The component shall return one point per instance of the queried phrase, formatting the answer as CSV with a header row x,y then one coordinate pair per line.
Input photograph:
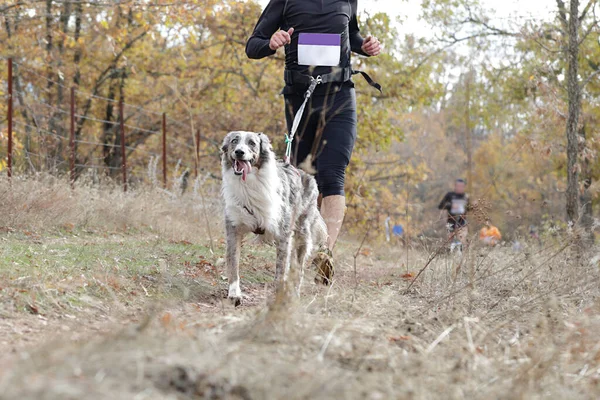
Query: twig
x,y
431,258
437,341
321,354
356,254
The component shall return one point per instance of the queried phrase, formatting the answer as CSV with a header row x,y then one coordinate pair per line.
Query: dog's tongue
x,y
245,167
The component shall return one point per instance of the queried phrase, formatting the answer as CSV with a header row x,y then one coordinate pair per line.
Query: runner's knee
x,y
331,180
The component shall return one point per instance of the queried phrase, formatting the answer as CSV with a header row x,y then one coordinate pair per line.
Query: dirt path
x,y
136,317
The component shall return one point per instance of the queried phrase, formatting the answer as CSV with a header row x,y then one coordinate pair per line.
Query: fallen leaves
x,y
32,308
407,276
400,338
202,268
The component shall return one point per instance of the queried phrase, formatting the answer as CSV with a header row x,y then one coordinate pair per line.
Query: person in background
x,y
454,206
490,234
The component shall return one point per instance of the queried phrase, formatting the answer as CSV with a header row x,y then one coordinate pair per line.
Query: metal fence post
x,y
164,149
10,118
197,155
72,141
123,154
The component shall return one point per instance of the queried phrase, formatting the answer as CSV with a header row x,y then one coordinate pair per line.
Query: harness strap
x,y
369,80
259,230
339,75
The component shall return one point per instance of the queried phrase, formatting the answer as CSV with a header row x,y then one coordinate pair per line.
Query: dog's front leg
x,y
234,244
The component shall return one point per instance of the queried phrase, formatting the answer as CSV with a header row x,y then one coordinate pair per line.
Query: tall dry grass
x,y
46,203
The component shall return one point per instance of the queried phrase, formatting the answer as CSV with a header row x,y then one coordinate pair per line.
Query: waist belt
x,y
339,75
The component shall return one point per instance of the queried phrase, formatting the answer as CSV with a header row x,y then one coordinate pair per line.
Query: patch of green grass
x,y
56,270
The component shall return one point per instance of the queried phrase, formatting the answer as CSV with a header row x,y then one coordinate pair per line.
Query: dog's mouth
x,y
242,167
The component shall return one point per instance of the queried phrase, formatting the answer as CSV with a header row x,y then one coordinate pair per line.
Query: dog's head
x,y
243,150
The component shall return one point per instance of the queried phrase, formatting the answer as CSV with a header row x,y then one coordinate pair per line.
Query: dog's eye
x,y
235,140
252,143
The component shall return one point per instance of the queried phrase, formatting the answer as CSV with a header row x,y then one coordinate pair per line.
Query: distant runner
x,y
455,204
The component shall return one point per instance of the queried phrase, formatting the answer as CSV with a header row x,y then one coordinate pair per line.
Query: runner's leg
x,y
338,127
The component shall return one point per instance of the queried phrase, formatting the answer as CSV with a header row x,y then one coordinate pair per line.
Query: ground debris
x,y
193,385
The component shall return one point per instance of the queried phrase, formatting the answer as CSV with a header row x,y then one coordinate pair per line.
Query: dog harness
x,y
259,230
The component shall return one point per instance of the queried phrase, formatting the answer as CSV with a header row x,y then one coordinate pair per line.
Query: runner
x,y
455,206
318,36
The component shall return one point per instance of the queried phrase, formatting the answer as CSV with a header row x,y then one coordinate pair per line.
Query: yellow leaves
x,y
104,24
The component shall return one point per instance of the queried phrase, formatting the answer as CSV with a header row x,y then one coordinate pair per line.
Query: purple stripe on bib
x,y
319,39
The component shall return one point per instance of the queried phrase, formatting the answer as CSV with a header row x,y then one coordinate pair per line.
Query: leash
x,y
289,138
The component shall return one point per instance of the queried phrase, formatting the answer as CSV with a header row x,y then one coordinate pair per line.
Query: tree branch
x,y
586,9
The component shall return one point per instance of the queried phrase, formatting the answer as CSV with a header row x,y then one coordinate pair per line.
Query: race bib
x,y
319,49
458,207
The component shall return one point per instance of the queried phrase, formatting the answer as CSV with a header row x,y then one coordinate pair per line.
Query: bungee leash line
x,y
289,138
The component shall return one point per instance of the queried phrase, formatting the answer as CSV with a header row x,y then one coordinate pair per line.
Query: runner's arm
x,y
269,22
444,203
356,40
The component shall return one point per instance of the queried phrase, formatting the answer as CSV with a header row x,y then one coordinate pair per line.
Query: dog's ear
x,y
265,143
265,146
265,149
225,144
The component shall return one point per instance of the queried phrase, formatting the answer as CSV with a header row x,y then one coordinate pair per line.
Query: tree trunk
x,y
76,61
469,133
574,100
57,121
587,212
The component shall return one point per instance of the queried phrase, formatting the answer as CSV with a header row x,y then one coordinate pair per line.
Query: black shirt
x,y
457,205
307,16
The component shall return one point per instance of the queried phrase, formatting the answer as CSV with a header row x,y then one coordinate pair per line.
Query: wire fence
x,y
59,129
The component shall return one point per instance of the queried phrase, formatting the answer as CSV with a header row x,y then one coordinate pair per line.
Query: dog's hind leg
x,y
234,244
282,265
301,258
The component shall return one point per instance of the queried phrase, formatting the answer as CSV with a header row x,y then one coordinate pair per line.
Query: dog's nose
x,y
239,153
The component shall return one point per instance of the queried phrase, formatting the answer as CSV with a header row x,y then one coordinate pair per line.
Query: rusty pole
x,y
10,118
164,149
72,140
197,158
123,154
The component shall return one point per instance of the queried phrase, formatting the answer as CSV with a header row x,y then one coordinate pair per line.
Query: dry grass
x,y
47,203
509,325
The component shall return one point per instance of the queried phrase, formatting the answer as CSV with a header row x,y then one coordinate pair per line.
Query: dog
x,y
270,198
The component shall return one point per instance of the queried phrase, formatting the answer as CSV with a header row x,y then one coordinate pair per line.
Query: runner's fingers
x,y
284,37
374,48
279,41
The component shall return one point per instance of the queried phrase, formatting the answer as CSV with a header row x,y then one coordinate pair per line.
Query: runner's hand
x,y
371,46
280,39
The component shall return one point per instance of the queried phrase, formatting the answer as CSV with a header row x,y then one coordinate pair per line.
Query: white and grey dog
x,y
270,198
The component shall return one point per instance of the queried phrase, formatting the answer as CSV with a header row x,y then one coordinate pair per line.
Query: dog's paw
x,y
235,300
235,293
323,262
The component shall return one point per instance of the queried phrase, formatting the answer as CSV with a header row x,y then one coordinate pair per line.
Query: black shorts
x,y
455,223
328,132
